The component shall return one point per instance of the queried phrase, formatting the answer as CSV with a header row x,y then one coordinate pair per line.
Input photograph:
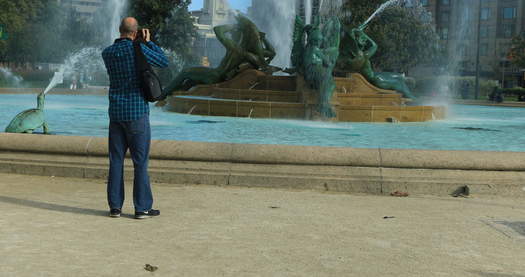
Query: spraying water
x,y
57,79
330,7
10,77
275,18
88,59
85,60
461,41
308,11
381,8
118,7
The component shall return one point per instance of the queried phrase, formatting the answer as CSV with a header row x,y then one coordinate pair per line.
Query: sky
x,y
235,4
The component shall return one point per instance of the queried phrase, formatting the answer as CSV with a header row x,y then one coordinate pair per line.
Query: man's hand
x,y
146,35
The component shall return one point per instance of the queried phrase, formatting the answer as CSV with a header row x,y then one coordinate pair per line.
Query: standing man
x,y
129,126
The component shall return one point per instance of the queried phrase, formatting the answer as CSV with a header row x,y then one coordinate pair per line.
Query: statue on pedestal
x,y
360,48
316,58
29,120
246,47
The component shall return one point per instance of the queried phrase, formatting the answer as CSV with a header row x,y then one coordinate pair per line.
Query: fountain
x,y
249,89
308,11
85,60
461,43
278,30
88,59
381,8
257,97
118,7
58,78
10,78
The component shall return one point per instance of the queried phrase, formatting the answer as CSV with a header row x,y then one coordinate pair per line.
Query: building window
x,y
445,2
461,48
484,31
504,49
444,33
485,13
508,30
424,3
464,65
510,13
445,16
484,49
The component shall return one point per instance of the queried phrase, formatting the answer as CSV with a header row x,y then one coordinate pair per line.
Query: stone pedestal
x,y
255,94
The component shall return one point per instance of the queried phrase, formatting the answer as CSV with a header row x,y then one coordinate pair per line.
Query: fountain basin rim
x,y
273,154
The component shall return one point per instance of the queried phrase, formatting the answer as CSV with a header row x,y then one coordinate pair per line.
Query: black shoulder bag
x,y
149,81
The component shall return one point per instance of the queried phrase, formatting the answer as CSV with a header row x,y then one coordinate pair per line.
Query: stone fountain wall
x,y
351,170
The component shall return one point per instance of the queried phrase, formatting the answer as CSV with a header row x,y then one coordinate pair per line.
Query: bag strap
x,y
140,58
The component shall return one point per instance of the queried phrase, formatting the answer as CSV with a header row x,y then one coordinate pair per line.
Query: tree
x,y
170,23
152,14
404,34
517,51
36,39
178,33
14,16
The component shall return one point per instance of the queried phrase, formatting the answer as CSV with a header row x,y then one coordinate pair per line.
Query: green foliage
x,y
14,16
179,33
405,35
438,85
47,33
520,92
517,51
3,33
152,14
170,23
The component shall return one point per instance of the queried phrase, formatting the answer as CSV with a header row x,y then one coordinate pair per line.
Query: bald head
x,y
128,26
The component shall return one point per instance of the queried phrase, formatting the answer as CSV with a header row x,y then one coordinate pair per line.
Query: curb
x,y
352,170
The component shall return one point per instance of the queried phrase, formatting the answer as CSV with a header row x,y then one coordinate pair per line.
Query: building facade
x,y
83,8
213,13
496,22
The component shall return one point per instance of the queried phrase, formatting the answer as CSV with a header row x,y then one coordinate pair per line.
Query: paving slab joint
x,y
381,182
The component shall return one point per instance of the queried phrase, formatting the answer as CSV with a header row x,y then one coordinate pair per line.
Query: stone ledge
x,y
347,179
374,171
274,154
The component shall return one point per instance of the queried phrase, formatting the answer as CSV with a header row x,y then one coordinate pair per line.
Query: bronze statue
x,y
244,44
360,48
316,60
29,120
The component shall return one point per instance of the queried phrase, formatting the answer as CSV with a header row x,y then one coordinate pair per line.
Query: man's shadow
x,y
52,207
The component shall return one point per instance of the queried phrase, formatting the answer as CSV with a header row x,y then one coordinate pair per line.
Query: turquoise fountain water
x,y
468,127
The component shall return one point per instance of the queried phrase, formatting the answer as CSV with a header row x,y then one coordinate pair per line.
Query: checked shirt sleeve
x,y
154,55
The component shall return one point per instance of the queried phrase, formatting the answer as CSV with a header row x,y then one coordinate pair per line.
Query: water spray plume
x,y
278,31
10,77
381,8
308,11
57,79
89,59
118,7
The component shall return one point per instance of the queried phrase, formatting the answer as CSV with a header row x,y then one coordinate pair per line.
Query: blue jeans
x,y
135,136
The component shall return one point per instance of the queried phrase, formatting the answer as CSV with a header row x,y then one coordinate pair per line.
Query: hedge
x,y
455,86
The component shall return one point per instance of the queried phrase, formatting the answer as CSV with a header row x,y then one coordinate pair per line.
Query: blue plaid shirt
x,y
126,102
